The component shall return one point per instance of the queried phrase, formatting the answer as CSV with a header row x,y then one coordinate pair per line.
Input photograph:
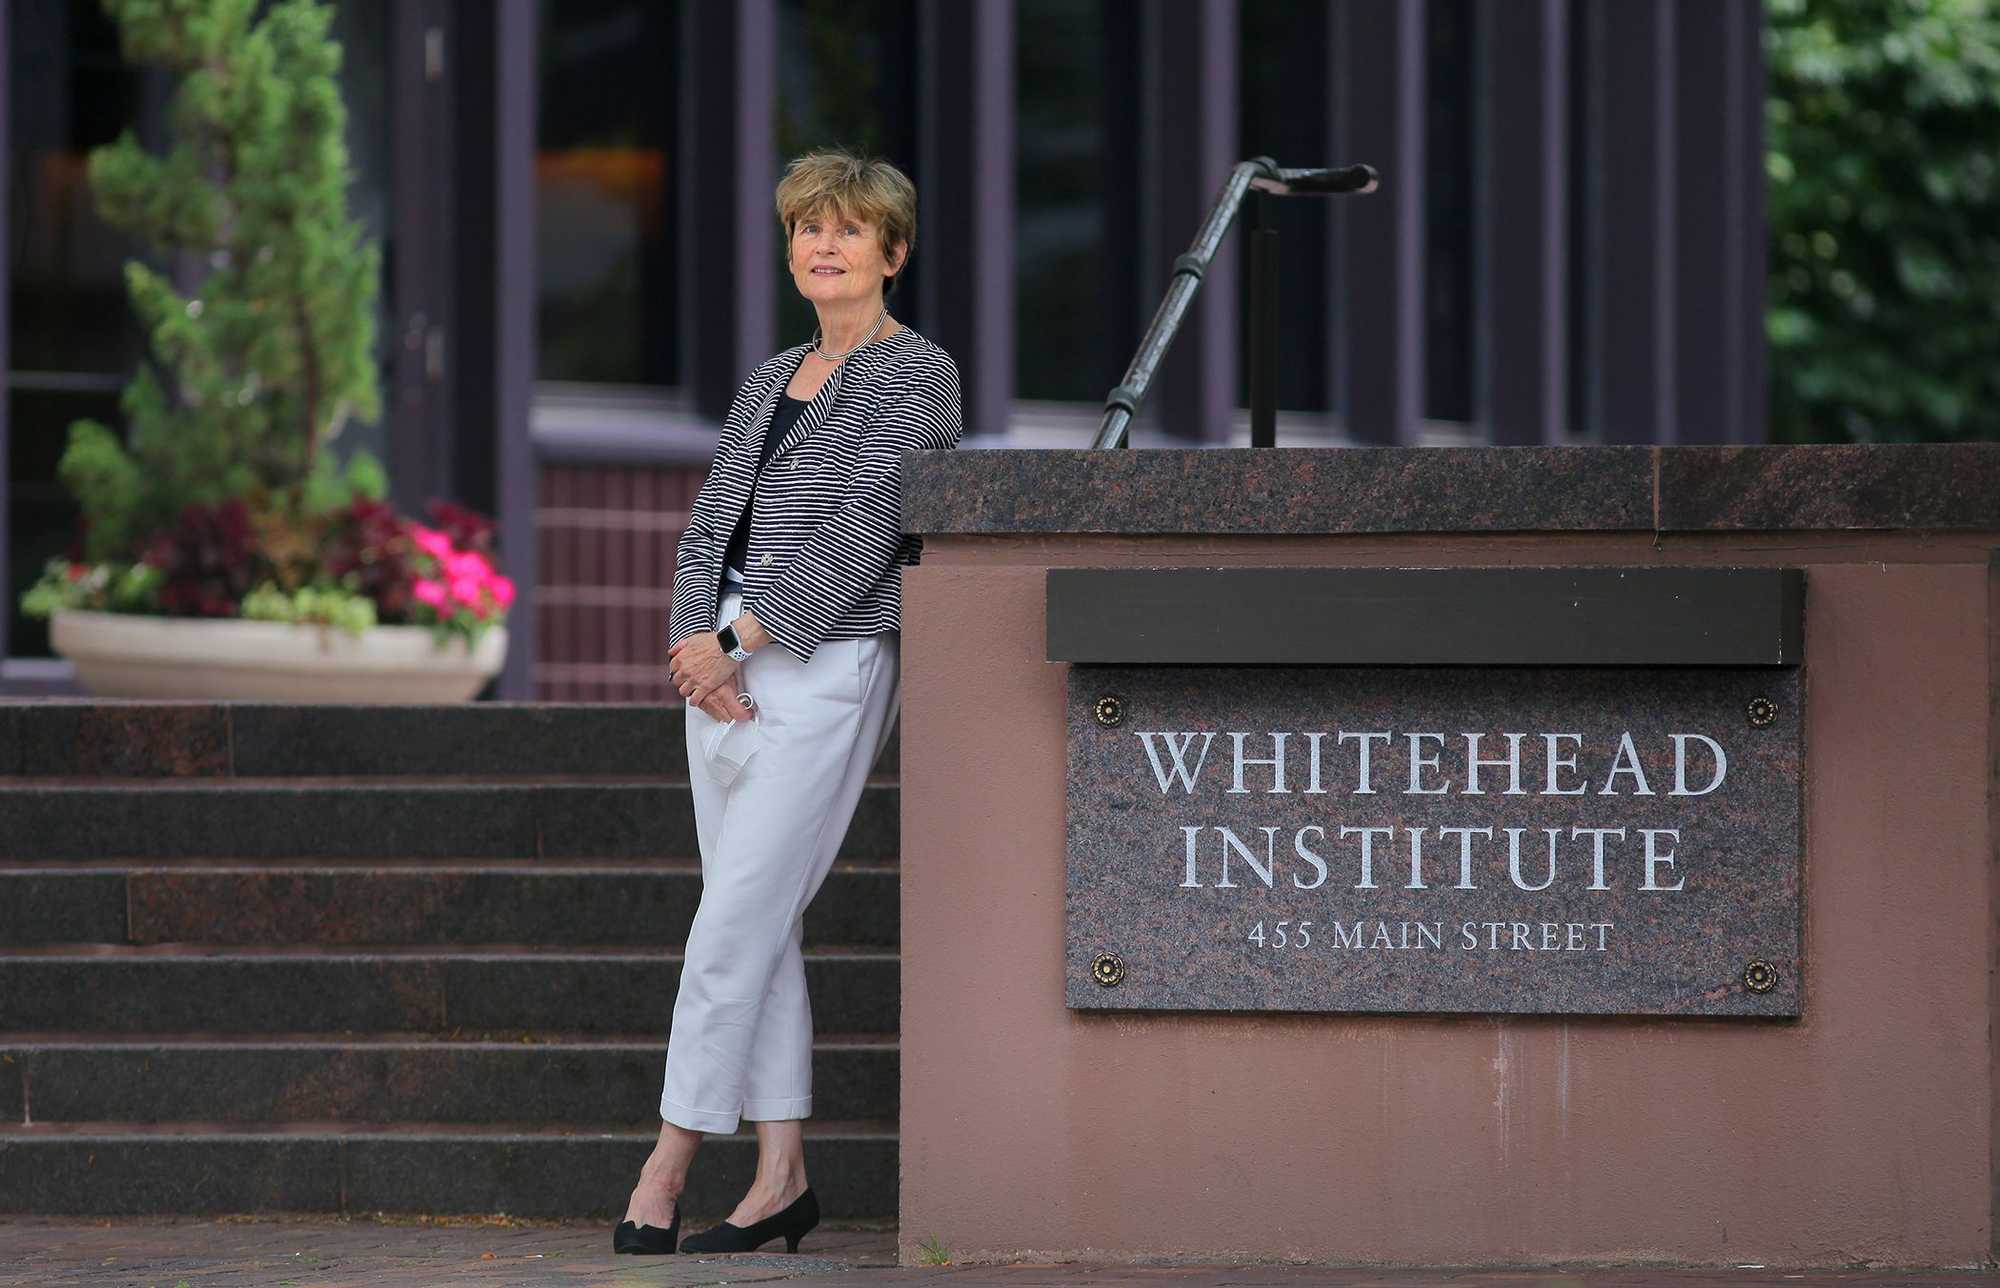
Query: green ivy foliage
x,y
272,352
1883,155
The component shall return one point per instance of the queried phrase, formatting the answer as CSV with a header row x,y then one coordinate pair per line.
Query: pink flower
x,y
432,541
430,592
469,565
466,590
502,588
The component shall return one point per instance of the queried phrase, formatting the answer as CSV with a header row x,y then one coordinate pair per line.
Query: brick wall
x,y
606,536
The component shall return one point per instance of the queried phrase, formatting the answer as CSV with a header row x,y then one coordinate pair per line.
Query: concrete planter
x,y
125,655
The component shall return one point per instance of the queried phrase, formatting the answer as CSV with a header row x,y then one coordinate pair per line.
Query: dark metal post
x,y
1263,331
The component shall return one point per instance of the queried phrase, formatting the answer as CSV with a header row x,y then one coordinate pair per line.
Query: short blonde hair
x,y
837,182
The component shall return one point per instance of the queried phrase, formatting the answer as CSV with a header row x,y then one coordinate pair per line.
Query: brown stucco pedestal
x,y
1861,1132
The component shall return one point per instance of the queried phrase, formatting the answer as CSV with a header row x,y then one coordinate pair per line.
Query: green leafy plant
x,y
263,361
1884,199
369,566
126,588
933,1251
225,498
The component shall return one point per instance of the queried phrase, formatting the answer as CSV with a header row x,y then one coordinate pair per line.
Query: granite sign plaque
x,y
1425,839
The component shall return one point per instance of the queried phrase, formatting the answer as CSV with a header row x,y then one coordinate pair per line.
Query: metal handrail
x,y
1264,175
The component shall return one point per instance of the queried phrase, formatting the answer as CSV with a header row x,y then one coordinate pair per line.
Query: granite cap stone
x,y
1314,490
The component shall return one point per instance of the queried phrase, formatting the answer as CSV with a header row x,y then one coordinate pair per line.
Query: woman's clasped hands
x,y
708,677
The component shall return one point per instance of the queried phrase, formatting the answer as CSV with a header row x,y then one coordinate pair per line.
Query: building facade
x,y
582,260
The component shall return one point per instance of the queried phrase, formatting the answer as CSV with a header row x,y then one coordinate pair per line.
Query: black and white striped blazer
x,y
826,543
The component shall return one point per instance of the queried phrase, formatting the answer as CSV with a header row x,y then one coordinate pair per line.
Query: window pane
x,y
68,93
1077,226
846,77
72,338
607,224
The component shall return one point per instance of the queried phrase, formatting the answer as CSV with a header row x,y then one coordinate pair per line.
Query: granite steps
x,y
263,958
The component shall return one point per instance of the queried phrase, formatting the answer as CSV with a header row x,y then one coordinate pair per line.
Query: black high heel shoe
x,y
630,1236
793,1222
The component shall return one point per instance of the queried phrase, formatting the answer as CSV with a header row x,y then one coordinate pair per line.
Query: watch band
x,y
726,637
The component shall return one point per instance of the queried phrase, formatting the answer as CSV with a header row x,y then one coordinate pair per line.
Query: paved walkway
x,y
308,1252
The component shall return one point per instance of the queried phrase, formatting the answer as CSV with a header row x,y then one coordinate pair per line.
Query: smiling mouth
x,y
828,272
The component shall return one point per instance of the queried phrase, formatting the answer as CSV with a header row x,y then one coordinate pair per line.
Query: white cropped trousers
x,y
741,1042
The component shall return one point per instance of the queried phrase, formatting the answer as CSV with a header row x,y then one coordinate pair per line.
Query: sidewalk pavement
x,y
312,1252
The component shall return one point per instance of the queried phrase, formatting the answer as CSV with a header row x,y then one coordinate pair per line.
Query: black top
x,y
782,415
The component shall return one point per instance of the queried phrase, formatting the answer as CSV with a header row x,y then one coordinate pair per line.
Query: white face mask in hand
x,y
728,744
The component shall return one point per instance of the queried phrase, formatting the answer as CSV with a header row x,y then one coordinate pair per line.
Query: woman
x,y
784,640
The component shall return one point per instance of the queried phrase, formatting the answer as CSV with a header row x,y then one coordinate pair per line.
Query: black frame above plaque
x,y
1429,616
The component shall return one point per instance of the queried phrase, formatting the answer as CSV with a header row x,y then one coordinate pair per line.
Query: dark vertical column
x,y
1193,149
492,463
965,210
1631,289
1330,281
1751,243
1378,268
1131,269
420,398
1755,249
464,457
1132,262
6,295
1522,303
515,339
1718,217
728,146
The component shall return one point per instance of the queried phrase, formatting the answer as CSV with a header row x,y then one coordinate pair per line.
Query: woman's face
x,y
838,259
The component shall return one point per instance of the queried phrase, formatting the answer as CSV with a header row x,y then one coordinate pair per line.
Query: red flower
x,y
370,544
209,560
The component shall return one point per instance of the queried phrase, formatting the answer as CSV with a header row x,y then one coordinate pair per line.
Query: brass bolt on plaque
x,y
1760,976
1108,969
1762,712
1110,710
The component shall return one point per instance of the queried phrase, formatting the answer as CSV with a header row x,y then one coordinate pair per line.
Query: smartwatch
x,y
730,644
